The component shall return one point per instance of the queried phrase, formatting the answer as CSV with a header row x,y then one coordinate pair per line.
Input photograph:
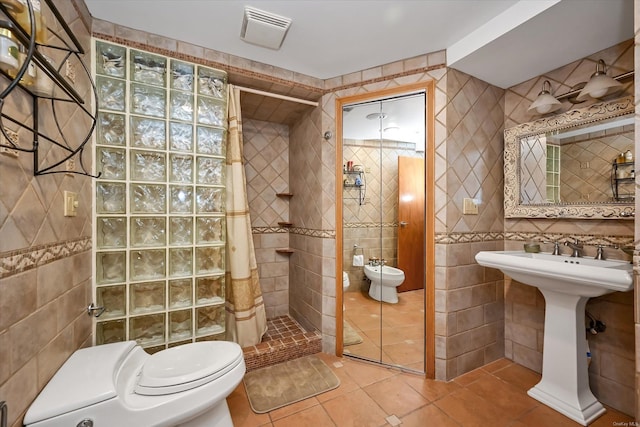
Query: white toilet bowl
x,y
345,286
121,385
384,281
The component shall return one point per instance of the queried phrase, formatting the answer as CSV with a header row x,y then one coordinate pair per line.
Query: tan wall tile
x,y
31,334
54,354
470,361
20,390
470,318
5,356
19,298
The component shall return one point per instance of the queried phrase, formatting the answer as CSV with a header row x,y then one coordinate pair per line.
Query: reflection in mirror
x,y
579,164
383,229
589,163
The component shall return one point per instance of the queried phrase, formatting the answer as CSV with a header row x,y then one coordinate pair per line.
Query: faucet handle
x,y
556,246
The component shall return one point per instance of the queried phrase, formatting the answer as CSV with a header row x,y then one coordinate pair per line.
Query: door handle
x,y
403,223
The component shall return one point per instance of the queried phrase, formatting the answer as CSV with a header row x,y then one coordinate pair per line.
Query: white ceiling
x,y
503,42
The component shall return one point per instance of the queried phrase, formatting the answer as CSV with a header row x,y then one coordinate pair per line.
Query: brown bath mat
x,y
285,383
350,336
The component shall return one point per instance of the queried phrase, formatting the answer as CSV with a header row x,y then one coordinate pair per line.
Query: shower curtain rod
x,y
275,95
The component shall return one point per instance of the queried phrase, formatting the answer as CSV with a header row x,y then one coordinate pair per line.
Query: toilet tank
x,y
85,379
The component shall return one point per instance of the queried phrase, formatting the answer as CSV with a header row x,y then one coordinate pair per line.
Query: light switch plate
x,y
70,203
469,206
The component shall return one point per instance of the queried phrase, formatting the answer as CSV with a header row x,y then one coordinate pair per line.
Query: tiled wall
x,y
266,152
307,210
613,351
593,183
45,258
469,299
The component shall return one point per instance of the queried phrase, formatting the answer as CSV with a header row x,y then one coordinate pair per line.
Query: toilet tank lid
x,y
86,378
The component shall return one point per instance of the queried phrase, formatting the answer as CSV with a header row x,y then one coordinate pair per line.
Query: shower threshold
x,y
284,340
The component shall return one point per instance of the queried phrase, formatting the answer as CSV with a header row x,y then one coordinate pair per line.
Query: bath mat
x,y
279,385
350,336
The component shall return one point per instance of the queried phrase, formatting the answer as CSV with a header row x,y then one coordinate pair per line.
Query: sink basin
x,y
576,276
566,283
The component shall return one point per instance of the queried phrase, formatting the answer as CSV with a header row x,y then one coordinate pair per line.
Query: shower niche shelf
x,y
285,251
284,195
285,224
61,152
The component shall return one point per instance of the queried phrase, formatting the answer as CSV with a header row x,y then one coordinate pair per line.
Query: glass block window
x,y
553,173
159,214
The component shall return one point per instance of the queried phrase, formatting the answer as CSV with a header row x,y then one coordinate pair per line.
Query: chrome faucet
x,y
576,246
600,252
375,261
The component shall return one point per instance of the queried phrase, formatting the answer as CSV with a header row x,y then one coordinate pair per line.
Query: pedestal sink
x,y
567,284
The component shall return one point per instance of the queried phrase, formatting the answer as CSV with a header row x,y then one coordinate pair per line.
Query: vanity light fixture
x,y
545,102
600,84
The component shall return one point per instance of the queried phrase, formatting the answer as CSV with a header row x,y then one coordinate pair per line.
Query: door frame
x,y
429,327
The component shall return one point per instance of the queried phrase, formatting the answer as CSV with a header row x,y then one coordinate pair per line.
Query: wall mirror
x,y
383,233
579,164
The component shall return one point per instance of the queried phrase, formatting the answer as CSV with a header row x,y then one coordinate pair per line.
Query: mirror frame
x,y
577,117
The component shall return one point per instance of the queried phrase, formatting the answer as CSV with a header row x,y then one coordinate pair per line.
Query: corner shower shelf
x,y
285,224
361,189
623,188
72,47
284,194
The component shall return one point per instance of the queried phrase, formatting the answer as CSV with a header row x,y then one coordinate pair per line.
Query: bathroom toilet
x,y
121,385
384,281
345,285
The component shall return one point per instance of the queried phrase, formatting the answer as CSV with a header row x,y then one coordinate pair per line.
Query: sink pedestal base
x,y
565,378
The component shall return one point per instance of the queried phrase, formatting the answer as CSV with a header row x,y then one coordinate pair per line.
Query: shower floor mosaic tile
x,y
284,340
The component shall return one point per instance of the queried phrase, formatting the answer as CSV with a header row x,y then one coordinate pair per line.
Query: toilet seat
x,y
185,367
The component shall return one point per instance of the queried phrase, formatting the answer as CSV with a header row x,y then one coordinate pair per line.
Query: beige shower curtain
x,y
246,317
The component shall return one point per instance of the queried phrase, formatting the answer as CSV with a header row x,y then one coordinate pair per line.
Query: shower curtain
x,y
246,317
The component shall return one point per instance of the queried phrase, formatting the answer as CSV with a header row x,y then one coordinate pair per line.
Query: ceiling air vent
x,y
264,28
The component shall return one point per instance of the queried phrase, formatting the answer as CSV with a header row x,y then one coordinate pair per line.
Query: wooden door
x,y
411,222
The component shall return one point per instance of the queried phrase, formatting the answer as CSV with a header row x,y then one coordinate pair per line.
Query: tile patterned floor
x,y
375,396
400,328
